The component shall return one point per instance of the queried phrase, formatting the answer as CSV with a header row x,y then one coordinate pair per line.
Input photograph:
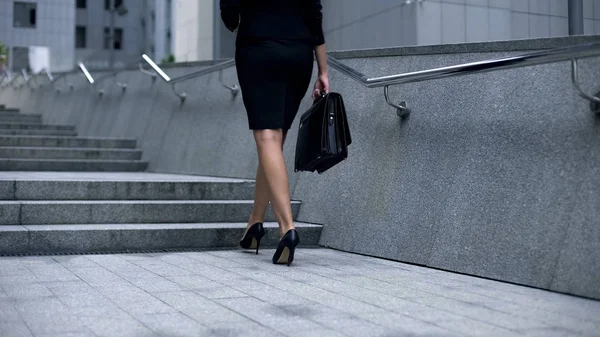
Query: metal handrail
x,y
543,57
573,54
234,89
114,74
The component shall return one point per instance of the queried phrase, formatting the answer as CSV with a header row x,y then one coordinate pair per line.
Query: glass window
x,y
80,37
24,14
81,3
118,38
116,2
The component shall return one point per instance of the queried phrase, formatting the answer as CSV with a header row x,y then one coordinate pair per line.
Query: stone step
x,y
69,153
30,119
22,132
10,164
79,142
35,126
86,238
120,186
9,112
128,211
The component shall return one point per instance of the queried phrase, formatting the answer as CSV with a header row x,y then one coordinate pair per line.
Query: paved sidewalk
x,y
236,293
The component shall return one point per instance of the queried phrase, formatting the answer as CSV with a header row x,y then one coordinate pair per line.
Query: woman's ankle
x,y
286,228
254,220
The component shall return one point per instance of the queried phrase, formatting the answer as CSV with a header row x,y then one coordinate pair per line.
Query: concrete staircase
x,y
27,144
45,211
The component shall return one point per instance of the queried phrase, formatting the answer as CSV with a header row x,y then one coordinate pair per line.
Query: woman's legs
x,y
271,180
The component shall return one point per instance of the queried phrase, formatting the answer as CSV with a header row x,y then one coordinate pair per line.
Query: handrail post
x,y
594,100
401,109
234,89
149,73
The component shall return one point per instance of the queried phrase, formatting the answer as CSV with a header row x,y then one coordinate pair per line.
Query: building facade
x,y
360,24
193,29
46,26
90,31
112,29
357,24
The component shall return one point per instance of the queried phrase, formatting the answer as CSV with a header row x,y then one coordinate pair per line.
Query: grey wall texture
x,y
354,24
494,175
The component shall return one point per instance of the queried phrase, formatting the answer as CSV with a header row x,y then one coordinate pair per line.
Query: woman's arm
x,y
230,13
316,27
322,83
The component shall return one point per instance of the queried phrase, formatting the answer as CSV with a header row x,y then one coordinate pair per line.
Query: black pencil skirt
x,y
274,76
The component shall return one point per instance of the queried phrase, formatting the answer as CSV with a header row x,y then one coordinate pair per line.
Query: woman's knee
x,y
266,137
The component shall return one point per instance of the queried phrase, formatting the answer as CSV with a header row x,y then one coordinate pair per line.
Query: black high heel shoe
x,y
253,236
286,248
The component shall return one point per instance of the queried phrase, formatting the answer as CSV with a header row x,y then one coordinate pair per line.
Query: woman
x,y
275,43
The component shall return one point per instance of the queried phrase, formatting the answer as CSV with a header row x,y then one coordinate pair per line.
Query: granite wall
x,y
494,175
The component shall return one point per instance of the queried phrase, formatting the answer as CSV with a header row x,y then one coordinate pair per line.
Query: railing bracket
x,y
594,100
123,86
182,96
149,73
401,109
595,106
234,89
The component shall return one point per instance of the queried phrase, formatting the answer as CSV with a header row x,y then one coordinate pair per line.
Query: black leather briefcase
x,y
324,135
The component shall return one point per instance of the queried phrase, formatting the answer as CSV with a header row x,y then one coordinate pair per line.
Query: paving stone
x,y
242,329
220,292
14,329
40,307
105,311
96,275
230,293
162,268
476,328
154,284
406,323
194,281
357,327
69,287
335,300
321,332
284,323
69,334
116,288
38,260
51,273
54,324
84,300
199,308
553,332
111,327
174,324
8,313
75,261
16,270
140,302
16,291
21,279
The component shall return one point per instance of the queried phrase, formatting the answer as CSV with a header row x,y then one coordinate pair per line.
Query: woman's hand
x,y
321,86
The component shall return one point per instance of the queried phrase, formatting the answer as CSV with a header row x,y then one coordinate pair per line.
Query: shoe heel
x,y
257,244
291,255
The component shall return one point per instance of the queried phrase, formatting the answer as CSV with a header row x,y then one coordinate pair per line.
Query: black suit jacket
x,y
286,19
